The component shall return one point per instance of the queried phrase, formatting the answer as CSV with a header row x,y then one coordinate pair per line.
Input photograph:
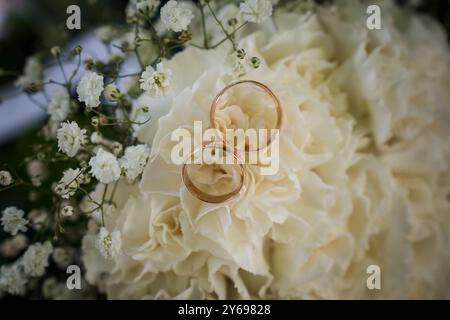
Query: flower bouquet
x,y
355,108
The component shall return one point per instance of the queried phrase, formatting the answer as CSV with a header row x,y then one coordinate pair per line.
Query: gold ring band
x,y
206,197
278,108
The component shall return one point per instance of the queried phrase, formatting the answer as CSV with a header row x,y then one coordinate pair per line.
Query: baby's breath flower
x,y
96,137
38,218
105,33
35,259
62,257
55,51
134,161
95,121
147,6
12,280
69,183
70,138
105,167
36,181
256,62
33,72
13,221
117,148
37,168
11,247
176,16
111,92
67,211
156,82
256,10
109,244
5,178
59,106
90,88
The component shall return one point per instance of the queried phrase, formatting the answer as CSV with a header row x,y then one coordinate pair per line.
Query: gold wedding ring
x,y
206,197
210,198
272,96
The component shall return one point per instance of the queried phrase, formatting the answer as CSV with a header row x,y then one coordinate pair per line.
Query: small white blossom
x,y
50,129
37,168
111,92
134,161
59,106
38,218
96,137
33,72
117,148
67,211
156,82
69,183
90,88
5,178
105,167
143,6
35,259
105,33
147,5
62,257
11,247
176,16
70,138
256,10
13,221
12,280
109,244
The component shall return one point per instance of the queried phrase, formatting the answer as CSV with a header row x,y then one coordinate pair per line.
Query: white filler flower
x,y
256,10
176,16
5,178
69,183
12,280
62,257
105,167
90,88
109,244
70,138
35,259
32,73
13,221
134,161
156,82
147,6
59,106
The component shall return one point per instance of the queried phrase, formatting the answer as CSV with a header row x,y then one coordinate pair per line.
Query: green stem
x,y
205,36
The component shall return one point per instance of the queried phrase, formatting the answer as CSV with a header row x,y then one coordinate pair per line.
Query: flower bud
x,y
117,148
67,211
55,51
255,62
111,93
240,53
77,50
95,121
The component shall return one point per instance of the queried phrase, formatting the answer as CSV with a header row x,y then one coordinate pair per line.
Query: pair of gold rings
x,y
221,145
